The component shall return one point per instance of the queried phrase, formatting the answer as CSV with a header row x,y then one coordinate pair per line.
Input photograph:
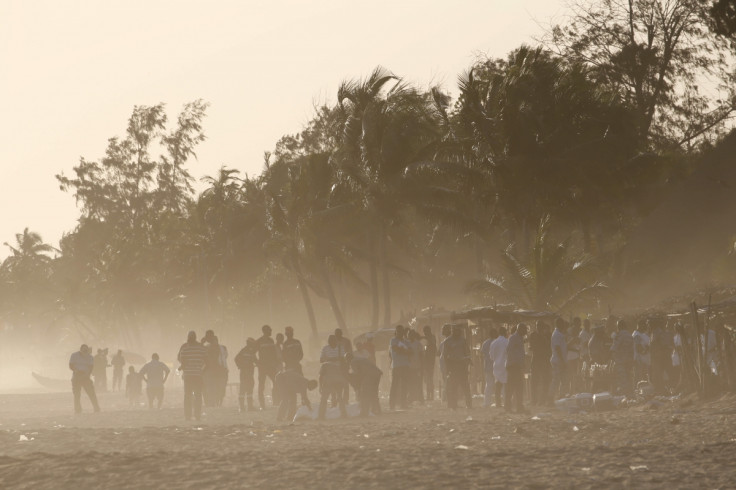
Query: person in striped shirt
x,y
192,356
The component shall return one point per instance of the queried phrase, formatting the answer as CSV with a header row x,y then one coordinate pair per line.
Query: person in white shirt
x,y
498,358
155,373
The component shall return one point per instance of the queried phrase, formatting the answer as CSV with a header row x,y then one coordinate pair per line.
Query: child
x,y
133,386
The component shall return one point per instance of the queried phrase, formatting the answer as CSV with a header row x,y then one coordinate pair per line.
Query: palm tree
x,y
384,131
549,278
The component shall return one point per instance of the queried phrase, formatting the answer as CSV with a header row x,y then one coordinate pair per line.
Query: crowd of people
x,y
546,362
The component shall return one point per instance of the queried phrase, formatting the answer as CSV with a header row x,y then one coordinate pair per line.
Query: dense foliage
x,y
523,189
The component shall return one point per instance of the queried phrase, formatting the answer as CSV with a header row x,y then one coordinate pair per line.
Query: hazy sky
x,y
71,72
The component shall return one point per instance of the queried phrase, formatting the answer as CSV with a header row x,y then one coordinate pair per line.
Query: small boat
x,y
53,384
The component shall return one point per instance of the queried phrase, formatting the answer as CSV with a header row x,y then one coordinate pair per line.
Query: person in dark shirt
x,y
456,357
193,358
344,346
245,360
81,364
288,384
365,378
292,352
268,365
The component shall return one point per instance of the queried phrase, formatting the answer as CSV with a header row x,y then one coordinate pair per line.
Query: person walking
x,y
193,358
81,364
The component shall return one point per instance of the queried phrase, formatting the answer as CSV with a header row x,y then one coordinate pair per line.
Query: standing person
x,y
498,358
155,373
642,358
415,367
268,365
212,370
288,384
245,360
118,362
623,358
292,351
515,358
345,347
193,357
456,355
428,361
485,354
398,351
133,386
446,332
365,378
100,370
539,345
558,358
81,364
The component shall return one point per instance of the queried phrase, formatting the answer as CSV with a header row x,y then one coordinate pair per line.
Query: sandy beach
x,y
684,444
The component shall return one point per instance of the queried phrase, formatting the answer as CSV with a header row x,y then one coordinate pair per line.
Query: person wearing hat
x,y
81,364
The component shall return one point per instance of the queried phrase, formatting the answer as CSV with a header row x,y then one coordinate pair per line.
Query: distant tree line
x,y
522,189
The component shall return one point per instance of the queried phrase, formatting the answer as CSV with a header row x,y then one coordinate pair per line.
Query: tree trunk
x,y
386,280
374,280
305,297
332,298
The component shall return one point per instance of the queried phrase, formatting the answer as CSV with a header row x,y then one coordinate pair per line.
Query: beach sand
x,y
681,445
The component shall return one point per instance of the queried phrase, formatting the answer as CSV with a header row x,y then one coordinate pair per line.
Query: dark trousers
x,y
192,396
515,388
368,395
399,387
457,379
428,375
80,383
263,373
246,388
540,382
623,378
